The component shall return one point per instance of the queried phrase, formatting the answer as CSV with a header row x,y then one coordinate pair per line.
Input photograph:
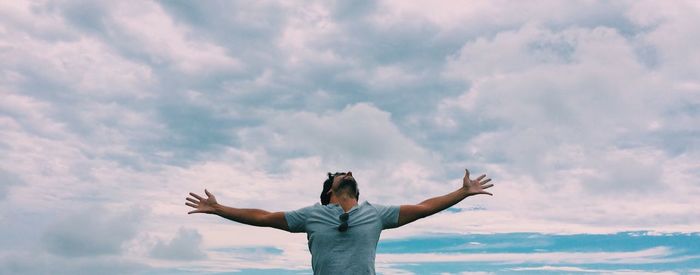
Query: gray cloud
x,y
185,245
88,233
41,263
7,180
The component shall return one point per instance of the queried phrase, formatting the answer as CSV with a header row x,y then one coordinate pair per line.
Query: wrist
x,y
463,192
218,209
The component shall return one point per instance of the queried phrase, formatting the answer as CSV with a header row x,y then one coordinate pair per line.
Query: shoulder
x,y
373,207
306,209
314,206
377,206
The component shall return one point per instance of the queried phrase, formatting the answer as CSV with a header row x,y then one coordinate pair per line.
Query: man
x,y
342,234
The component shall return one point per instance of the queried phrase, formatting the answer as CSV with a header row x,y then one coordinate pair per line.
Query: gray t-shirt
x,y
349,252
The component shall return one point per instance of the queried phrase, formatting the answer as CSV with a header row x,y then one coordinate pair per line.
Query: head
x,y
339,184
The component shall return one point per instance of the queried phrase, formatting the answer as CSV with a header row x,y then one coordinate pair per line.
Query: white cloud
x,y
151,31
359,135
305,34
186,245
673,34
83,66
573,109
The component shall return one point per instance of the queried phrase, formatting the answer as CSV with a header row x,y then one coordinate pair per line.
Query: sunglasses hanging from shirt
x,y
343,222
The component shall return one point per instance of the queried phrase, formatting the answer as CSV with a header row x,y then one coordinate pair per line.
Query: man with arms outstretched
x,y
342,234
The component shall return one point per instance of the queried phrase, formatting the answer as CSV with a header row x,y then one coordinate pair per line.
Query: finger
x,y
486,181
480,177
192,200
191,204
487,186
208,194
194,211
485,193
196,196
466,171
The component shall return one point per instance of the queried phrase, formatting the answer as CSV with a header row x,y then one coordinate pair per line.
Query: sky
x,y
586,115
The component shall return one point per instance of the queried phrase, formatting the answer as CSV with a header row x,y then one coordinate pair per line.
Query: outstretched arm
x,y
410,213
255,217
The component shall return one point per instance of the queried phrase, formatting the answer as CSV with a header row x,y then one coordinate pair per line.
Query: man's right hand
x,y
202,205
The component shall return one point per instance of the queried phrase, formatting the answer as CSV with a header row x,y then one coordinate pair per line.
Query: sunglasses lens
x,y
344,222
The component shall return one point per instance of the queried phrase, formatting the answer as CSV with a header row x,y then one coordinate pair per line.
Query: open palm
x,y
476,186
202,205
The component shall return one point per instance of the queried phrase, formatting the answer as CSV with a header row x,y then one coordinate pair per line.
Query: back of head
x,y
345,186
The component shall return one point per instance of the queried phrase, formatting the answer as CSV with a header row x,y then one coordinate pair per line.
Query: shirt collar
x,y
335,205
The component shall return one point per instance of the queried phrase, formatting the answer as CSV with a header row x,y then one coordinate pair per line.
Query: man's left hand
x,y
476,186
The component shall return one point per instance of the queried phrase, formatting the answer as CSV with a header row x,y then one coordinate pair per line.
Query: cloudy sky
x,y
585,113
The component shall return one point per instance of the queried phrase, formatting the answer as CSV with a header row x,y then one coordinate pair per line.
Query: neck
x,y
346,202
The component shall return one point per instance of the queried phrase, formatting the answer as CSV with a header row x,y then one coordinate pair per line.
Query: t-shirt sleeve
x,y
296,220
388,214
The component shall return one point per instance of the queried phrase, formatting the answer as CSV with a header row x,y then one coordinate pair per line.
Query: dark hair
x,y
325,197
328,184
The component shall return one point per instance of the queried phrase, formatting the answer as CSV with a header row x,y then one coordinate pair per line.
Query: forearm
x,y
241,215
437,204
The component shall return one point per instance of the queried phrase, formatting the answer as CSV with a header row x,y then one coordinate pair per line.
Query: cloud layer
x,y
584,113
